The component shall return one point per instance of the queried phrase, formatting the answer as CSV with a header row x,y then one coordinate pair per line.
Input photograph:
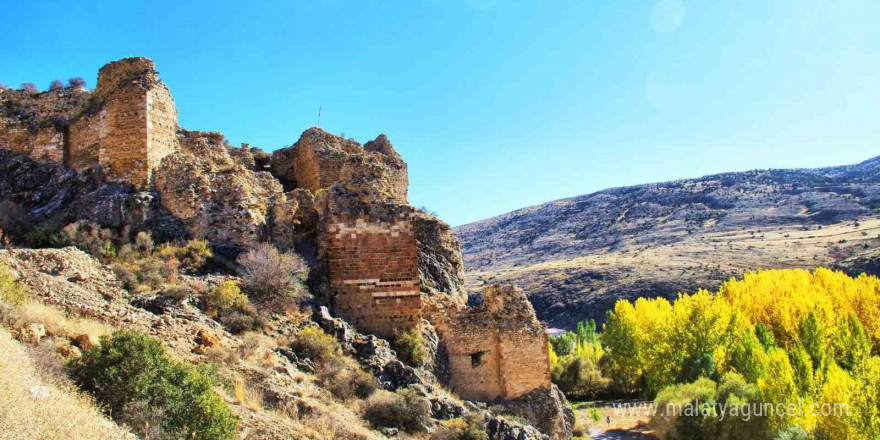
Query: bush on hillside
x,y
470,427
129,370
224,298
346,380
410,348
230,307
11,292
91,238
192,256
312,343
76,82
404,409
266,272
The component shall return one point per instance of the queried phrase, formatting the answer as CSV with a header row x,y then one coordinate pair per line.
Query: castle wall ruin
x,y
126,127
380,256
497,350
373,272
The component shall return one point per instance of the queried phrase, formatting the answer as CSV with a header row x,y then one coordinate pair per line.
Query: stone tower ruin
x,y
125,127
497,349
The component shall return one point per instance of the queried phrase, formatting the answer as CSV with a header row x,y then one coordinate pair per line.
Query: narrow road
x,y
615,434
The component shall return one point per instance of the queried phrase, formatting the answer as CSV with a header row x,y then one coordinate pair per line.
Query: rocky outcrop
x,y
441,270
73,280
319,159
46,194
499,428
865,262
545,408
373,353
217,198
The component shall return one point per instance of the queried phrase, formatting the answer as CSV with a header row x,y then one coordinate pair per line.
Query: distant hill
x,y
575,257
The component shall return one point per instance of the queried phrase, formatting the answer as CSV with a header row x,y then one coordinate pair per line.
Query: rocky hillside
x,y
575,257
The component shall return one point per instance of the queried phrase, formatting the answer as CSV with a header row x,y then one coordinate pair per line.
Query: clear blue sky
x,y
497,104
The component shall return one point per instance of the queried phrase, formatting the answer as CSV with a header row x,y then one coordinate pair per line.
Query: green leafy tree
x,y
851,343
802,366
564,344
812,337
748,356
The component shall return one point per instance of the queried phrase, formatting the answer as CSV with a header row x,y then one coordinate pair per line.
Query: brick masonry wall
x,y
45,144
474,362
123,148
525,362
134,128
161,125
85,140
495,350
374,274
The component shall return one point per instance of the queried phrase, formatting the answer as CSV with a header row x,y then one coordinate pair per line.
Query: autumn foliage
x,y
785,335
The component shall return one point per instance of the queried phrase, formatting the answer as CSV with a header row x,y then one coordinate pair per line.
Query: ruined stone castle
x,y
385,266
127,127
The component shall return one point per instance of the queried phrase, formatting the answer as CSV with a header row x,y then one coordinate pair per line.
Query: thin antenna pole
x,y
319,116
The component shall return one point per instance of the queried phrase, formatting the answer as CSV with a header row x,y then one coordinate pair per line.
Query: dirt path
x,y
603,422
616,434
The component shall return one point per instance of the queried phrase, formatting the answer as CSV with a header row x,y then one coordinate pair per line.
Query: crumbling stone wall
x,y
34,123
373,271
44,144
126,126
496,350
319,159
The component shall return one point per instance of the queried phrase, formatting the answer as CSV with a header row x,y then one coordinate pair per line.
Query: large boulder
x,y
374,354
500,428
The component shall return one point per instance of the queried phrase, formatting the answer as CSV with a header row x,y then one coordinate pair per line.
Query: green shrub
x,y
564,343
226,297
312,343
702,393
410,348
792,433
45,236
470,427
130,370
579,375
192,256
266,272
240,322
404,409
230,307
11,292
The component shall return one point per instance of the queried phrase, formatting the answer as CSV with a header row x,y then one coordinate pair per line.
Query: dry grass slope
x,y
34,407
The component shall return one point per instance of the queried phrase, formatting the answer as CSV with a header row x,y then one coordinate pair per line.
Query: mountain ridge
x,y
575,256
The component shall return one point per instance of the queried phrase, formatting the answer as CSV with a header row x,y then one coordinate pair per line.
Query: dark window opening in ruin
x,y
476,359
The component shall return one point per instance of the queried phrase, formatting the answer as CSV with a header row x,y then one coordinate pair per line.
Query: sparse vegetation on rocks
x,y
404,409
